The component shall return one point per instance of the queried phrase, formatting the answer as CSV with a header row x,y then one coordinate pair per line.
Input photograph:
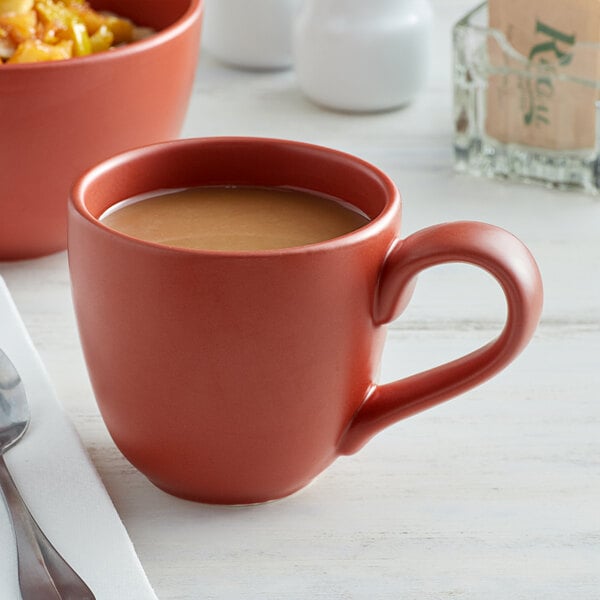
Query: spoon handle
x,y
43,572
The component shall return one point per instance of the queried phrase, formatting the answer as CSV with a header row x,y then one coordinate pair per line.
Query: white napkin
x,y
61,486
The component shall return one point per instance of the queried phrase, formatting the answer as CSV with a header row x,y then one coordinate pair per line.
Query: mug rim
x,y
193,11
375,226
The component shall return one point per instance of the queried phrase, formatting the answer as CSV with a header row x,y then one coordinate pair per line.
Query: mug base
x,y
229,501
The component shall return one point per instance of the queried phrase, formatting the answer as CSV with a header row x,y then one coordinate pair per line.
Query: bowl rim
x,y
193,12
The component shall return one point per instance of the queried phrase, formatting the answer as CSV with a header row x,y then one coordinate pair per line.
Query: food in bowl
x,y
45,30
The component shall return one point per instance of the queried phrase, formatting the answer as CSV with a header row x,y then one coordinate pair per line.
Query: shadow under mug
x,y
237,377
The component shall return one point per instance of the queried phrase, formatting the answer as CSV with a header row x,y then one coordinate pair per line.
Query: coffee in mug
x,y
234,218
237,377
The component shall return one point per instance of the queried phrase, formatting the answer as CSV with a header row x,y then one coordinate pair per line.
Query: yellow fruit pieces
x,y
42,30
15,6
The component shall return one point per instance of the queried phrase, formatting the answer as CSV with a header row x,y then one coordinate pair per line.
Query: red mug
x,y
237,377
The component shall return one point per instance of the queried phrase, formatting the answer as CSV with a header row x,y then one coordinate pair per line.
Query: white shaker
x,y
252,34
363,55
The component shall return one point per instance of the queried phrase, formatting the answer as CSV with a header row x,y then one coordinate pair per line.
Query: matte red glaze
x,y
238,377
58,119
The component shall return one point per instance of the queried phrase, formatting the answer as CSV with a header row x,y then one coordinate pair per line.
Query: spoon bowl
x,y
14,410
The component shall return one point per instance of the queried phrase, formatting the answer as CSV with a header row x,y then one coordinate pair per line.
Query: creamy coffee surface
x,y
234,218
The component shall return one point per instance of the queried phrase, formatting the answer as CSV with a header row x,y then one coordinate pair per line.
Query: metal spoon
x,y
43,572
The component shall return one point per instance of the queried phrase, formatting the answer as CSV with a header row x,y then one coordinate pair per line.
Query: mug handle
x,y
494,250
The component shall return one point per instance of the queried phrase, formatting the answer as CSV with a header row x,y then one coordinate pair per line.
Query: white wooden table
x,y
494,495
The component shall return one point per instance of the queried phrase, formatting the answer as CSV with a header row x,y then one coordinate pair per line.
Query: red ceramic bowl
x,y
59,118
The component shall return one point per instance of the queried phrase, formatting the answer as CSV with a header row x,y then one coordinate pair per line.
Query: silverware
x,y
43,572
